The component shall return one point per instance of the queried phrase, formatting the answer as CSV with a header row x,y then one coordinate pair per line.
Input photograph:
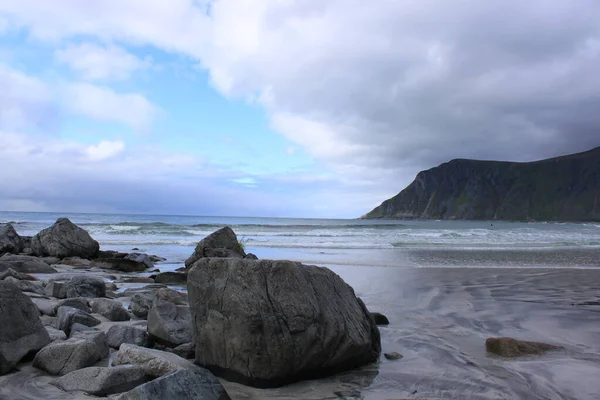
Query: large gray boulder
x,y
77,352
154,362
171,278
100,381
111,309
67,316
222,243
85,286
21,330
24,264
10,241
189,384
119,334
268,323
169,323
64,239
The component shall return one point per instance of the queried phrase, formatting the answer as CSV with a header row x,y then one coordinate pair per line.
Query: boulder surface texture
x,y
268,323
10,241
221,243
64,239
100,381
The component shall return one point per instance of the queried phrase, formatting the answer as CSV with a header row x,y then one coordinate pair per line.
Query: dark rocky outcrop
x,y
171,278
380,319
119,334
268,323
21,330
140,258
558,189
64,239
24,264
169,323
99,381
10,241
509,347
111,309
119,264
222,243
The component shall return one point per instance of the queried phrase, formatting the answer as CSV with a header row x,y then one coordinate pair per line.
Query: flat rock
x,y
171,278
154,362
141,258
119,264
269,323
25,264
111,309
169,323
67,316
138,279
76,262
509,347
17,275
10,241
100,381
189,384
64,239
80,303
393,356
63,357
119,334
21,330
221,243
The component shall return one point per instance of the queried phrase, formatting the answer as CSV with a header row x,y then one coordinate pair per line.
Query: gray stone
x,y
509,347
111,309
222,243
171,278
393,356
141,303
76,262
119,264
251,256
21,330
141,258
17,275
380,319
28,286
268,323
79,351
169,323
172,296
67,316
78,328
154,362
24,264
99,381
56,334
46,306
50,260
80,303
56,289
85,286
119,334
10,241
189,384
186,350
64,239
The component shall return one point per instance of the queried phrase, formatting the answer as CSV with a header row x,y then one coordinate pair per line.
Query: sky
x,y
281,108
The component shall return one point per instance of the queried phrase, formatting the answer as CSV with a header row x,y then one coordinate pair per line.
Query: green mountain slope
x,y
558,189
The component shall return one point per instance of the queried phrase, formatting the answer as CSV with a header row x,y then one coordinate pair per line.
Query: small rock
x,y
380,319
509,347
67,316
78,328
119,334
111,309
138,279
119,264
28,286
186,350
171,278
110,254
76,262
221,243
56,289
50,260
140,304
169,323
141,258
55,334
99,381
17,275
172,296
64,239
63,357
393,356
80,303
251,256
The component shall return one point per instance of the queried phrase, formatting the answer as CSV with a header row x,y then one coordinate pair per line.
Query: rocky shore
x,y
70,317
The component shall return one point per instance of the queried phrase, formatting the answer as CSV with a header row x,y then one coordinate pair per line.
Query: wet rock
x,y
141,258
64,239
268,323
509,347
10,241
24,264
21,330
171,278
119,264
380,319
140,304
393,356
119,334
67,316
63,357
154,362
111,309
189,384
99,381
222,243
170,324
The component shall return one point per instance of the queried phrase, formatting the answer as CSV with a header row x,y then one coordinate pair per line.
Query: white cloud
x,y
104,150
104,104
96,62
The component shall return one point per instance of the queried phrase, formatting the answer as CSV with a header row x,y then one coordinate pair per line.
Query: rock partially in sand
x,y
138,279
79,351
509,347
119,334
21,330
24,264
111,309
100,381
393,356
27,286
141,303
56,334
17,275
222,243
119,264
268,323
10,241
171,278
67,316
80,303
140,258
380,319
64,239
111,254
170,324
76,262
189,384
154,362
85,286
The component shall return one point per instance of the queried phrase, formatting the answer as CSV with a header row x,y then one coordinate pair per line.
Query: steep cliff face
x,y
558,189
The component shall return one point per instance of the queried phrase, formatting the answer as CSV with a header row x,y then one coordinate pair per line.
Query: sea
x,y
445,286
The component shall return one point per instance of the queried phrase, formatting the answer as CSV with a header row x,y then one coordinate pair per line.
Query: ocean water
x,y
445,285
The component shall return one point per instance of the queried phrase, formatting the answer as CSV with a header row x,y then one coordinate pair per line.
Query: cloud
x,y
104,104
96,62
104,150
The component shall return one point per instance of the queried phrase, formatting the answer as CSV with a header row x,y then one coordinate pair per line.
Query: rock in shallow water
x,y
268,323
64,239
393,356
509,347
10,241
21,329
100,381
222,243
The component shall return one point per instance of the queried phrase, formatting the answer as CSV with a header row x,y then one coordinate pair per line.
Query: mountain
x,y
558,189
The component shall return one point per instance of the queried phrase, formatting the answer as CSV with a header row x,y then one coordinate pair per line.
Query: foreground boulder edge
x,y
269,323
64,239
